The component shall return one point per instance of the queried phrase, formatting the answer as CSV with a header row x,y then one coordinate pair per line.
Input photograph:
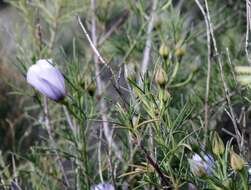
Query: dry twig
x,y
46,113
99,89
209,65
106,129
148,45
248,28
219,61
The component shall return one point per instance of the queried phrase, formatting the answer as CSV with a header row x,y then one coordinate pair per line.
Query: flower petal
x,y
103,186
55,93
47,79
51,74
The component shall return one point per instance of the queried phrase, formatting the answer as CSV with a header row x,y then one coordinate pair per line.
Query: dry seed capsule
x,y
236,162
164,51
180,52
160,77
217,145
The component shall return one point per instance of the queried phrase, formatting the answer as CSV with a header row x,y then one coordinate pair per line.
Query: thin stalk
x,y
46,114
209,65
248,28
164,180
146,60
148,44
219,60
107,132
99,90
53,144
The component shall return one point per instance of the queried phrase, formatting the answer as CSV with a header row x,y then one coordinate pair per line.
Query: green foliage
x,y
154,128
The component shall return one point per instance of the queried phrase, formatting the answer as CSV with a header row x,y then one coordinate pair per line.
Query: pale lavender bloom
x,y
201,166
103,186
208,164
47,79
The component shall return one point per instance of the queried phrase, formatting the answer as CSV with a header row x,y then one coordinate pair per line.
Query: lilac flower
x,y
47,79
103,186
201,166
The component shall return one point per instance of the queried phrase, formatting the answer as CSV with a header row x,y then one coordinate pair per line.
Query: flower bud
x,y
180,52
197,168
201,167
164,51
236,162
217,144
103,186
47,79
243,70
160,77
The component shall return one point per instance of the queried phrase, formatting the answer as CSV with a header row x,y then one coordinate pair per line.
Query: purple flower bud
x,y
103,186
201,166
47,79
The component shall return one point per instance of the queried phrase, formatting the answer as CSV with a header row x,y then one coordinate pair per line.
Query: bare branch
x,y
93,44
209,65
148,45
47,118
99,88
219,61
53,143
248,28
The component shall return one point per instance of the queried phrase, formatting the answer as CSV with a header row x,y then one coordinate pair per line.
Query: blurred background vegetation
x,y
172,111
